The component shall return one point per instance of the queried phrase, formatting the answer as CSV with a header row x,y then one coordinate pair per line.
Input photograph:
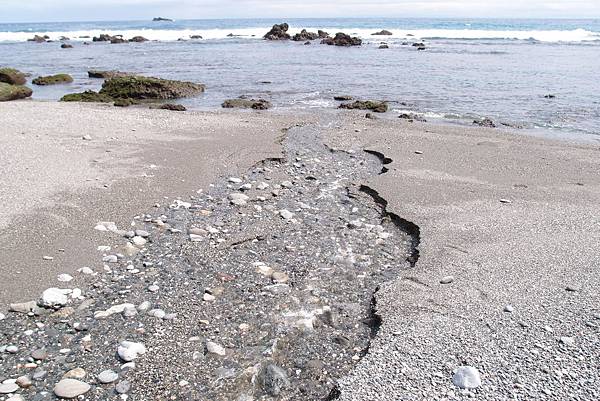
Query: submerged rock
x,y
485,122
138,39
13,92
159,19
169,106
304,35
12,76
87,96
53,80
278,32
107,74
342,39
373,105
384,46
256,104
382,33
140,88
66,46
341,98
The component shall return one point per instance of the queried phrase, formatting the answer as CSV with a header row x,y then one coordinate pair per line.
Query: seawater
x,y
501,69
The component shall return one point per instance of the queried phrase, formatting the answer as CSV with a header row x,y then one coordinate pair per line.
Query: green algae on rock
x,y
140,88
13,92
240,103
12,76
53,79
374,105
87,96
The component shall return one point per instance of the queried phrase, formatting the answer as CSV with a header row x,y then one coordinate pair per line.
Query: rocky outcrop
x,y
126,102
342,39
256,104
411,117
304,35
382,33
87,96
161,19
373,105
485,122
107,74
342,98
53,80
66,46
13,92
322,34
138,39
103,37
169,106
141,88
38,39
278,32
117,40
12,76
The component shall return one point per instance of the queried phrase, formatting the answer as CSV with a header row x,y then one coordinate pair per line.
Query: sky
x,y
94,10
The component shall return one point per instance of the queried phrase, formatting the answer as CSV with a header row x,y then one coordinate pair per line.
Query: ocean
x,y
471,68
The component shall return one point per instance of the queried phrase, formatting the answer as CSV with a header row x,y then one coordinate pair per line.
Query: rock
x,y
214,348
53,80
208,297
128,350
342,39
66,46
37,39
107,376
39,374
342,98
486,122
161,19
153,288
64,278
466,377
77,373
171,107
274,380
107,74
16,397
110,259
278,32
39,354
447,280
140,88
86,270
12,76
384,46
238,199
280,277
550,96
54,297
382,33
7,388
123,103
195,37
123,387
304,35
373,105
118,39
286,214
24,382
2,316
13,92
23,307
87,96
70,388
256,104
570,341
411,117
322,34
157,313
138,39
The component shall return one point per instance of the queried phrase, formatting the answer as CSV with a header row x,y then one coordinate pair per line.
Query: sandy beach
x,y
321,255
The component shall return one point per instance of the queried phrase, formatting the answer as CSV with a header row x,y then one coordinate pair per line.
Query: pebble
x,y
153,288
16,397
286,214
509,309
110,259
39,375
54,297
214,348
280,277
70,388
24,382
64,278
47,258
238,199
123,387
86,270
12,349
77,373
234,180
157,313
567,341
505,201
208,297
107,376
129,350
447,280
7,388
262,186
39,354
142,233
2,316
275,380
139,241
466,377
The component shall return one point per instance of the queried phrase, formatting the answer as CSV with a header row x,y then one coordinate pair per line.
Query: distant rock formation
x,y
342,39
159,19
304,35
382,33
278,32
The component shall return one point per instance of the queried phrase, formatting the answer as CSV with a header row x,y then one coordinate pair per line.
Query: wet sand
x,y
56,185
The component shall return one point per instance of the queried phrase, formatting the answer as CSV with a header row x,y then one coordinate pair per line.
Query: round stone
x,y
509,309
214,348
12,349
280,277
39,354
70,388
447,280
7,388
466,377
108,376
123,387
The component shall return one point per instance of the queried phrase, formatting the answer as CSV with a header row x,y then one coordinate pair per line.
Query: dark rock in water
x,y
139,88
373,105
53,80
342,98
256,104
169,106
84,37
342,39
64,38
384,47
12,76
548,96
307,43
305,35
117,40
322,34
13,92
274,380
412,117
123,102
138,39
195,37
107,74
66,46
370,116
158,19
485,122
38,39
421,48
103,37
230,35
382,33
278,32
87,96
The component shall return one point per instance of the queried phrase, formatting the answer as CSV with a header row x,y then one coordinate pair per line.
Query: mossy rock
x,y
124,103
169,106
140,88
240,103
373,105
12,76
13,92
107,74
53,79
87,96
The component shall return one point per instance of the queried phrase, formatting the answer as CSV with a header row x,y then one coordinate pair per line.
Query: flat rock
x,y
54,297
214,348
107,376
7,388
70,388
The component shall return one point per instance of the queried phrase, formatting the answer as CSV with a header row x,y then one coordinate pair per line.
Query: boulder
x,y
115,40
384,47
13,92
107,74
485,122
87,96
278,32
195,37
169,106
256,104
411,117
103,37
322,34
373,105
382,33
342,39
53,79
12,76
138,39
161,19
66,46
304,35
140,88
38,39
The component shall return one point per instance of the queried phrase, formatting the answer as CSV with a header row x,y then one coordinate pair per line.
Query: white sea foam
x,y
576,35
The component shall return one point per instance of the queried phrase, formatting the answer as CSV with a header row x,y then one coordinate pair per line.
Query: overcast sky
x,y
88,10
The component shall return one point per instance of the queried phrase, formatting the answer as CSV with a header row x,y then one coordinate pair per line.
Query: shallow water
x,y
471,68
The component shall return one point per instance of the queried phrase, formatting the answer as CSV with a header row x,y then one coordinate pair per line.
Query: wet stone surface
x,y
270,298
